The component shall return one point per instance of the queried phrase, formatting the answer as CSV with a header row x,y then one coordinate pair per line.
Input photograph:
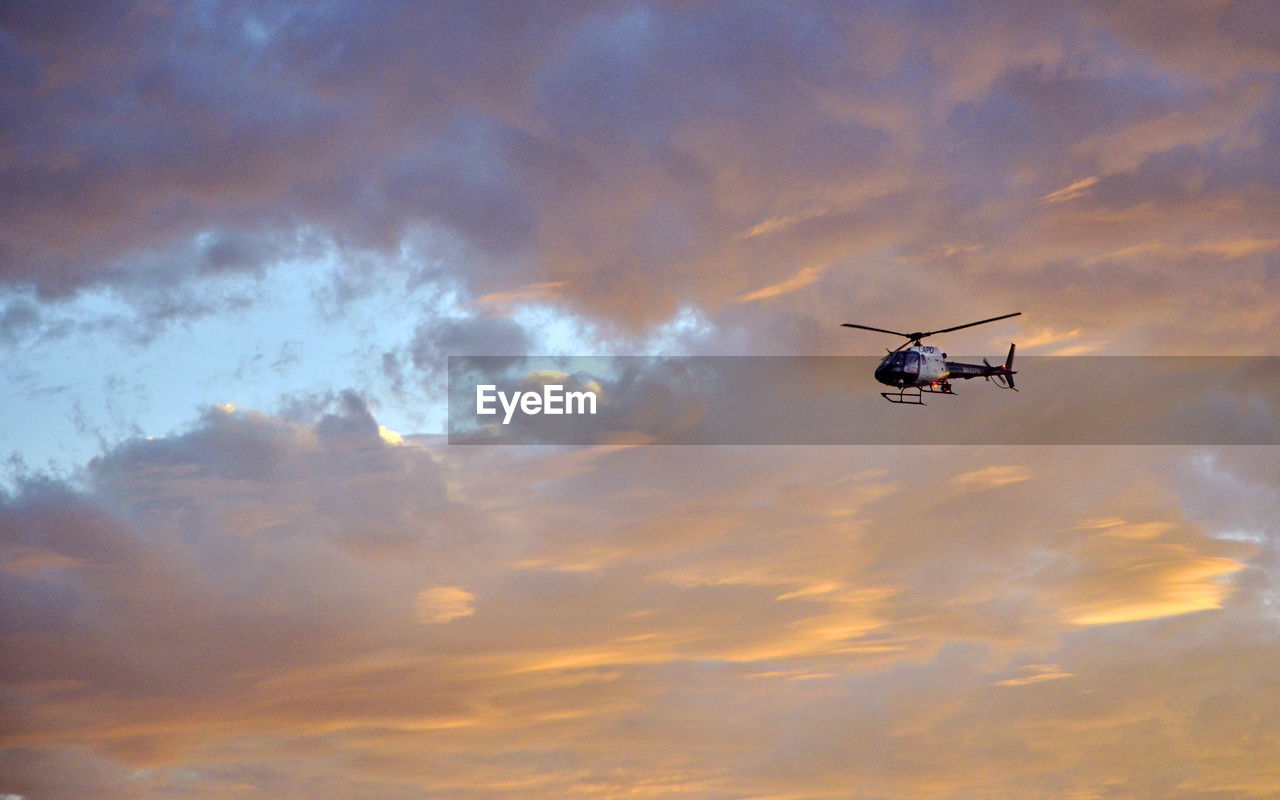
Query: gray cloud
x,y
19,316
625,153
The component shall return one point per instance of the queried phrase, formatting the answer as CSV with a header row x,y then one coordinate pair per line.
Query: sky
x,y
238,557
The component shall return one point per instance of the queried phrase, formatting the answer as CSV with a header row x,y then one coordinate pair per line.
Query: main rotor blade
x,y
970,324
878,330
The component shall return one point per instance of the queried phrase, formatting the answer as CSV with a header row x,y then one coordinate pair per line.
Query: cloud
x,y
1037,673
482,618
444,603
991,477
251,159
1072,191
776,224
800,280
617,155
1168,588
1047,337
304,603
19,316
501,302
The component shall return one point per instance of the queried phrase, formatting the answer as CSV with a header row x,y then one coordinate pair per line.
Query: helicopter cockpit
x,y
897,367
902,361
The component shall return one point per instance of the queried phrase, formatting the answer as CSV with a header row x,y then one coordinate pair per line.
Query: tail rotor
x,y
1002,375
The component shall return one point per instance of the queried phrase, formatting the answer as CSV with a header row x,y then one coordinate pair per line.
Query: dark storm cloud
x,y
139,127
134,139
1037,109
1252,22
645,158
359,124
424,362
639,74
483,179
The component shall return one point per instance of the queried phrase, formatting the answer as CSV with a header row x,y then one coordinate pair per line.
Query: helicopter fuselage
x,y
924,368
922,365
919,365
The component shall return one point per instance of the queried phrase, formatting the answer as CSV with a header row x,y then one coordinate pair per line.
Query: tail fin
x,y
1008,365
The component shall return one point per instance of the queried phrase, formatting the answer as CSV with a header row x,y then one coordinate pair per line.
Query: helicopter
x,y
923,368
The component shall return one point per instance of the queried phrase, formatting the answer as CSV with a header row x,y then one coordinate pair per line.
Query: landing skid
x,y
914,395
905,397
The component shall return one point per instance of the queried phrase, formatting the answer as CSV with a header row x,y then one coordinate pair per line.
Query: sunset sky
x,y
239,240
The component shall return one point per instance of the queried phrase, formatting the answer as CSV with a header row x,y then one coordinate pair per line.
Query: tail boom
x,y
1001,374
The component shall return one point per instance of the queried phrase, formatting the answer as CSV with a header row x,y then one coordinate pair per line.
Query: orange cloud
x,y
1071,191
1158,589
993,476
800,280
444,604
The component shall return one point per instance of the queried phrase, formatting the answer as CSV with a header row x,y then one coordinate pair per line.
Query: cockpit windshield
x,y
903,360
